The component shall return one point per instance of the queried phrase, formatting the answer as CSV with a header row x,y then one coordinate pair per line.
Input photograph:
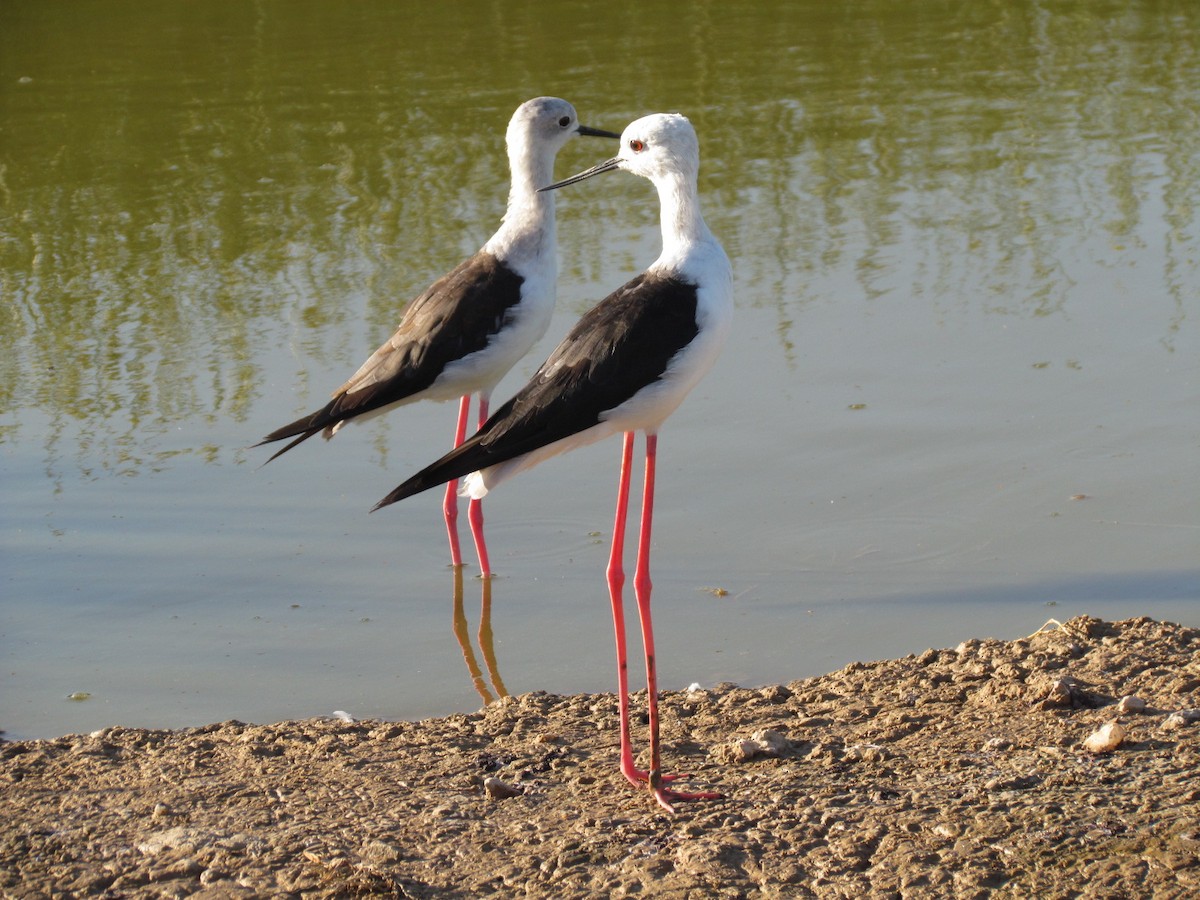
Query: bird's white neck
x,y
683,227
528,226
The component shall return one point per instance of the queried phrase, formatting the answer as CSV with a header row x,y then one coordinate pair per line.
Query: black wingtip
x,y
414,485
448,468
271,438
464,459
386,501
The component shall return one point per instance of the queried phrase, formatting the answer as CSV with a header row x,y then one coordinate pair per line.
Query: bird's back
x,y
626,364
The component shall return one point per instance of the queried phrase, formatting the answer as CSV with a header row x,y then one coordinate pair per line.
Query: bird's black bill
x,y
587,131
607,166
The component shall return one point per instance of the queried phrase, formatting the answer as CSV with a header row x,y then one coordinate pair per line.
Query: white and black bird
x,y
624,367
463,334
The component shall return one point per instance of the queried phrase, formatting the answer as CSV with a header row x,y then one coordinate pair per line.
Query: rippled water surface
x,y
962,395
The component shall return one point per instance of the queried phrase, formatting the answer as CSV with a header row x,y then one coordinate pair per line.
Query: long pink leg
x,y
475,507
616,582
450,503
642,588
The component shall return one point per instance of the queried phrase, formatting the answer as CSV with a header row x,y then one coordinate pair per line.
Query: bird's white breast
x,y
532,255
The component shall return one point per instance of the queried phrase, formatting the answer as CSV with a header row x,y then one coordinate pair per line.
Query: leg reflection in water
x,y
486,646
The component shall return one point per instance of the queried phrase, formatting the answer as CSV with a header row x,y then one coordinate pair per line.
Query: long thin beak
x,y
588,131
606,166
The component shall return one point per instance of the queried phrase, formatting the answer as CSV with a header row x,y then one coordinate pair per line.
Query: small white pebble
x,y
866,753
1060,693
500,790
1181,718
1131,704
770,742
1105,739
746,749
765,742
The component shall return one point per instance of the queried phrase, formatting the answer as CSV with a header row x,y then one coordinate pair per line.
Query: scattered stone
x,y
763,743
182,838
211,876
1060,694
380,852
865,753
771,742
1181,719
775,693
1131,704
1105,739
501,790
1067,693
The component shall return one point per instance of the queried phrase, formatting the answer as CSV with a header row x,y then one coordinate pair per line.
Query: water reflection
x,y
486,639
161,233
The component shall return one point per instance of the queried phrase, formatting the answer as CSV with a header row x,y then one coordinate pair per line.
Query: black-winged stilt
x,y
624,367
472,325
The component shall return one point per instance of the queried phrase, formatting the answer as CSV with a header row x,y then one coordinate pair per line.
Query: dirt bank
x,y
960,772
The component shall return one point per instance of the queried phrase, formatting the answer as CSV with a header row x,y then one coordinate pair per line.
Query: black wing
x,y
619,347
456,316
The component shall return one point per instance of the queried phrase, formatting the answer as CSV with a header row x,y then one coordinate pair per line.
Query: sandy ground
x,y
966,772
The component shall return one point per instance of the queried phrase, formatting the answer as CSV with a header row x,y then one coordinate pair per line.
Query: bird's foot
x,y
664,795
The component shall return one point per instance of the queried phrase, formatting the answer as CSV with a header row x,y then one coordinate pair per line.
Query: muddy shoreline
x,y
956,772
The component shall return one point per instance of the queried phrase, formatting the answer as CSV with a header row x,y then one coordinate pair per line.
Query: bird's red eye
x,y
637,146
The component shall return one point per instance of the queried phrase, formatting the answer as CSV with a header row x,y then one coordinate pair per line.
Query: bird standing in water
x,y
463,334
623,368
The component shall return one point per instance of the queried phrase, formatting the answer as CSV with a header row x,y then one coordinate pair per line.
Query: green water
x,y
965,246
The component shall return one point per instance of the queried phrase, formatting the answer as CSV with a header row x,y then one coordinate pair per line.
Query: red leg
x,y
642,588
475,507
616,582
450,503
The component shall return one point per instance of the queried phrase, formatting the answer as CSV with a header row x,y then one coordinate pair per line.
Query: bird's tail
x,y
302,429
468,457
429,477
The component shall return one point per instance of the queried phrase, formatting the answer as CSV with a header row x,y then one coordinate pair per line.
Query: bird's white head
x,y
663,148
659,146
546,124
536,132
